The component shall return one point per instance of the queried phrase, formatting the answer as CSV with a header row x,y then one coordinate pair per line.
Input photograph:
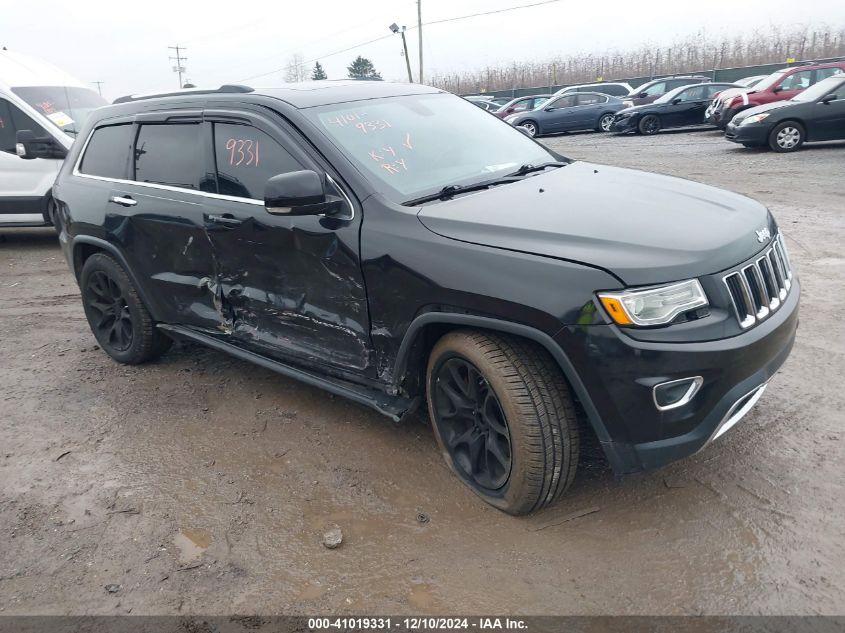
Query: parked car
x,y
391,244
779,86
500,101
816,114
574,111
714,110
51,104
651,91
681,107
489,106
521,104
615,89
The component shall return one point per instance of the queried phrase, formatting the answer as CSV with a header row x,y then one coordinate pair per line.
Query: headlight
x,y
654,306
628,104
511,117
754,118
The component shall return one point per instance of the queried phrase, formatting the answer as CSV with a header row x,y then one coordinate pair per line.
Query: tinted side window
x,y
7,129
108,151
170,154
824,73
797,81
246,158
613,90
563,102
590,99
521,106
13,119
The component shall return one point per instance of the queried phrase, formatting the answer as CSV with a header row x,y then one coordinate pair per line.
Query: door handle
x,y
125,201
225,220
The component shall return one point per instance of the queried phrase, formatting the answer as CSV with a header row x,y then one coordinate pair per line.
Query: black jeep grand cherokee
x,y
393,243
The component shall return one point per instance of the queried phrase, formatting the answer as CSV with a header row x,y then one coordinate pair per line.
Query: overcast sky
x,y
125,44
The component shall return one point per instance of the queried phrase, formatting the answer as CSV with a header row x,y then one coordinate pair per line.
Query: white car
x,y
614,89
38,97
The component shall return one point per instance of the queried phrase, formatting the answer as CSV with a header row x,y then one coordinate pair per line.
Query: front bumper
x,y
622,126
754,134
619,373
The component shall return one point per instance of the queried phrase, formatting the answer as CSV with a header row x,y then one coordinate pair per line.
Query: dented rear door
x,y
291,287
159,217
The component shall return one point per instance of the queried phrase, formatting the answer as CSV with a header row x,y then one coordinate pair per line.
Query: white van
x,y
41,98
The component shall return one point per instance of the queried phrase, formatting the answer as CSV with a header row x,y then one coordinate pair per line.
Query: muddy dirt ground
x,y
201,484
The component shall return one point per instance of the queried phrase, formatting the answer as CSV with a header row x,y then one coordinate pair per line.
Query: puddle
x,y
422,596
192,542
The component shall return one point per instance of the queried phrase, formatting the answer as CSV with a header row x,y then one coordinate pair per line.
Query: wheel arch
x,y
426,329
84,246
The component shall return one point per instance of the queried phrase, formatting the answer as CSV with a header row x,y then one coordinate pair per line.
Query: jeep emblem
x,y
763,235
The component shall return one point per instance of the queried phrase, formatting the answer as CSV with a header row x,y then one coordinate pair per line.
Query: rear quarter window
x,y
107,153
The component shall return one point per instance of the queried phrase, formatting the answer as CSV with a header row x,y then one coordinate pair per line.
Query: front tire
x,y
531,127
649,124
118,318
504,419
787,136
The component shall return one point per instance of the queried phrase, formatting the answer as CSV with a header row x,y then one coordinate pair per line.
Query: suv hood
x,y
642,227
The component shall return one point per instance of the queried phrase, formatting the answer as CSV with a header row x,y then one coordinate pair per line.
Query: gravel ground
x,y
200,484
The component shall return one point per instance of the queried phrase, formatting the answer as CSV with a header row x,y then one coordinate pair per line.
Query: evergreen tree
x,y
318,72
362,68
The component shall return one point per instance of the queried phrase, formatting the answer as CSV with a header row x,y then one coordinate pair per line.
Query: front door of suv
x,y
292,287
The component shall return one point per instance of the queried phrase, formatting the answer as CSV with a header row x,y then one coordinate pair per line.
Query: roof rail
x,y
225,88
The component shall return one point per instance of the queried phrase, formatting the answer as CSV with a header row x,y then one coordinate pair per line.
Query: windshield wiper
x,y
452,190
529,168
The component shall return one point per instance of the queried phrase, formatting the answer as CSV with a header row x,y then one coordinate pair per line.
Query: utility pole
x,y
99,86
179,68
419,34
395,28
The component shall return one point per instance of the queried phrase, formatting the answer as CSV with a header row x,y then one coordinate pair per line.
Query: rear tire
x,y
504,419
649,124
787,136
118,318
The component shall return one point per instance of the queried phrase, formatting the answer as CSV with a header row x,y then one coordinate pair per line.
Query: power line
x,y
378,39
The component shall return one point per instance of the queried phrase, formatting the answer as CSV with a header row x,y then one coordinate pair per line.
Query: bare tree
x,y
295,70
695,53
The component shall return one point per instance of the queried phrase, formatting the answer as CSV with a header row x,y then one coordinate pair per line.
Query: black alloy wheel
x,y
471,422
649,124
112,320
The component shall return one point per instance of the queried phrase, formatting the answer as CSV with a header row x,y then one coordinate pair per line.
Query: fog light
x,y
676,393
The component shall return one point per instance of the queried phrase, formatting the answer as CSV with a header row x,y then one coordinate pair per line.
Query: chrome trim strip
x,y
762,293
748,319
697,381
735,414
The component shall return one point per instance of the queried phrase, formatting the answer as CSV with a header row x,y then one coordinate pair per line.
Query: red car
x,y
779,86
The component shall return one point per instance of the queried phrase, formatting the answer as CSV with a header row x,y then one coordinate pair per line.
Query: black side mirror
x,y
299,193
29,146
828,98
777,89
642,95
676,100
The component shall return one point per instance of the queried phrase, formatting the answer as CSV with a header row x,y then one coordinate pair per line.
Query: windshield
x,y
671,95
415,145
67,108
819,90
769,81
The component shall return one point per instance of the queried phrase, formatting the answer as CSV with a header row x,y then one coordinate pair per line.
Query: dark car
x,y
521,104
781,85
574,111
656,88
816,114
682,107
392,244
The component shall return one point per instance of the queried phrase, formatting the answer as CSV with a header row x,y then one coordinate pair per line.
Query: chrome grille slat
x,y
759,288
